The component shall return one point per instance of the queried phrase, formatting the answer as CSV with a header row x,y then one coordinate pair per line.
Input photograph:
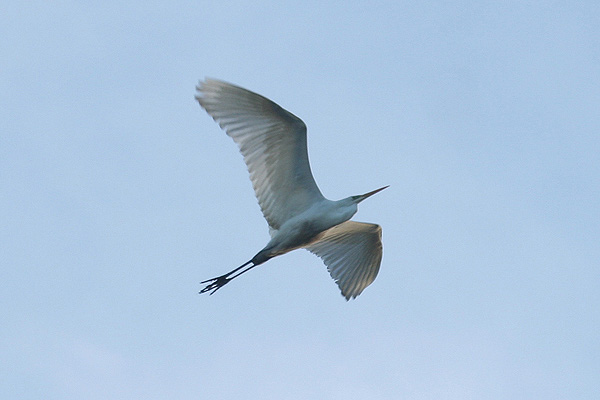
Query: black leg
x,y
217,283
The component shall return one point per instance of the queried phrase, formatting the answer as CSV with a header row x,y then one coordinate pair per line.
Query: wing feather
x,y
273,143
352,252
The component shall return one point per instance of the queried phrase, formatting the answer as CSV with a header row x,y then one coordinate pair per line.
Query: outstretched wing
x,y
352,252
273,143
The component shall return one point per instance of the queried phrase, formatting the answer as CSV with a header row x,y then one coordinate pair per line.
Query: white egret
x,y
273,143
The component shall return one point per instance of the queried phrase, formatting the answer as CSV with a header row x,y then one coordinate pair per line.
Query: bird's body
x,y
273,143
307,227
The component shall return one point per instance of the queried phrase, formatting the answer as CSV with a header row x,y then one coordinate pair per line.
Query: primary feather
x,y
352,252
273,143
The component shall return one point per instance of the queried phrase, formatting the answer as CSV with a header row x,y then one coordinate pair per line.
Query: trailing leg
x,y
217,283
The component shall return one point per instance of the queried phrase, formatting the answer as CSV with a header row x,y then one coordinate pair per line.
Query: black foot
x,y
215,284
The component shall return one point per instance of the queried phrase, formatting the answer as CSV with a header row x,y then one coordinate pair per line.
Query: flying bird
x,y
273,144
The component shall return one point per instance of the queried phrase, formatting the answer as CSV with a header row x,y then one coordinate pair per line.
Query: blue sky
x,y
119,194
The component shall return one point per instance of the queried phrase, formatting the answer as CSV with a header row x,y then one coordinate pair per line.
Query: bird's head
x,y
357,199
347,207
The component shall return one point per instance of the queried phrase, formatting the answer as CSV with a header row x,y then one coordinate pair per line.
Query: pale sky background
x,y
119,195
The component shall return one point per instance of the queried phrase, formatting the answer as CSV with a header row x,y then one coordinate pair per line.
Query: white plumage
x,y
273,143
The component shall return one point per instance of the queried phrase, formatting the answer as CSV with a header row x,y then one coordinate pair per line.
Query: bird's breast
x,y
307,227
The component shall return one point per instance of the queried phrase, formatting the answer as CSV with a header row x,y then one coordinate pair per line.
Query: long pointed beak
x,y
364,196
